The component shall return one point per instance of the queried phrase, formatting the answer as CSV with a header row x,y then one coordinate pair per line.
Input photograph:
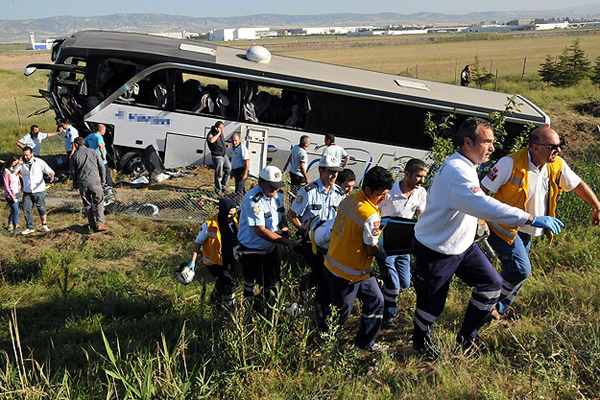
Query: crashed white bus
x,y
167,93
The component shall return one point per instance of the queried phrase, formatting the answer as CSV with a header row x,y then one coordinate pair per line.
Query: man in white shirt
x,y
240,163
70,133
406,200
299,164
34,139
445,234
34,188
337,151
530,179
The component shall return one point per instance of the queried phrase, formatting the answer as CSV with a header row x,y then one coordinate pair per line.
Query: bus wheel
x,y
132,162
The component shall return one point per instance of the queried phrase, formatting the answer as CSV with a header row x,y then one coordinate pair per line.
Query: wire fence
x,y
165,201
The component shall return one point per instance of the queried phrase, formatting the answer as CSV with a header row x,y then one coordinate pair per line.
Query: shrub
x,y
568,70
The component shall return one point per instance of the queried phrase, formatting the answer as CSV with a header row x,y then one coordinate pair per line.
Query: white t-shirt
x,y
202,234
323,234
70,134
454,203
299,156
33,175
34,143
537,187
336,151
396,204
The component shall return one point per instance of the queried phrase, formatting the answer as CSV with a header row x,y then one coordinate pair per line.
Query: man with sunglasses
x,y
531,179
262,225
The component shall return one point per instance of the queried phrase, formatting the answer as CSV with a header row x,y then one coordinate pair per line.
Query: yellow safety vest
x,y
514,192
211,248
347,256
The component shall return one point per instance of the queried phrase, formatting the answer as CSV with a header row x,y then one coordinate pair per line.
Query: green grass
x,y
102,317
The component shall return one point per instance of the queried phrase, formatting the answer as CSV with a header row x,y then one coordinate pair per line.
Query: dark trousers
x,y
264,270
109,181
343,293
433,273
224,286
29,199
93,204
296,181
237,175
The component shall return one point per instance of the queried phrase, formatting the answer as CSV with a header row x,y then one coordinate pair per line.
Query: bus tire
x,y
131,162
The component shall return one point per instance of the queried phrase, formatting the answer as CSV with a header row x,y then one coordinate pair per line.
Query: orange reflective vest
x,y
514,192
211,248
347,256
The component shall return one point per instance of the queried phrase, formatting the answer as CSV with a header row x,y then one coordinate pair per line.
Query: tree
x,y
480,75
595,75
571,67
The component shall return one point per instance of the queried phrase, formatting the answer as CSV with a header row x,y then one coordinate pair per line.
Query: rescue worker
x,y
346,180
406,200
353,243
320,199
531,179
444,239
217,238
262,226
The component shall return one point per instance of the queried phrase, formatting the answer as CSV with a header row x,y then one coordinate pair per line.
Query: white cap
x,y
272,175
330,162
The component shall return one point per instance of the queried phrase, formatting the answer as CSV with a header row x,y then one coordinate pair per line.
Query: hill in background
x,y
59,26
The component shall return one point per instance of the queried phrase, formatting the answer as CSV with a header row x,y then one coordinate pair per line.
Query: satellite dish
x,y
258,54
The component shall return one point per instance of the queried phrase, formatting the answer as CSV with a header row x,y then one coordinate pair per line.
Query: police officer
x,y
319,199
353,243
262,225
445,233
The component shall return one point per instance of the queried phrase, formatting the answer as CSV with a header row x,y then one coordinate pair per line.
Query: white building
x,y
225,35
547,27
176,35
390,32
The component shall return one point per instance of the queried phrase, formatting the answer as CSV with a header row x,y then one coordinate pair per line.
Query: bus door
x,y
256,138
182,150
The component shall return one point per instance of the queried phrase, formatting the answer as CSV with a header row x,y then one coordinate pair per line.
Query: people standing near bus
x,y
262,227
319,199
217,238
34,139
406,200
353,243
70,133
88,174
240,163
218,152
299,164
531,179
34,189
11,179
95,141
444,239
346,180
465,76
335,150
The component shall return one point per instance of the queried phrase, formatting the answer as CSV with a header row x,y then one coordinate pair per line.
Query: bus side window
x,y
151,91
274,105
199,94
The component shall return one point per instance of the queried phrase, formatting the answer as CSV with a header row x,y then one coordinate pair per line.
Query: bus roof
x,y
318,75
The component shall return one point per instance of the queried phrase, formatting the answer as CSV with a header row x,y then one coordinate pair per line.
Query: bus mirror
x,y
29,71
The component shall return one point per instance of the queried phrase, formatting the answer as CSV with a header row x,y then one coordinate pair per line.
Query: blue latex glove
x,y
554,224
192,265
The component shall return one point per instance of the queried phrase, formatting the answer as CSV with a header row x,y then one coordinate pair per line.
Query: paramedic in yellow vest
x,y
531,179
215,242
353,243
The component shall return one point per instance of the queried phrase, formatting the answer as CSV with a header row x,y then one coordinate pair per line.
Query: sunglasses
x,y
552,147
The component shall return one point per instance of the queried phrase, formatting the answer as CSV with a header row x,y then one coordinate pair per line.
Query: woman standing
x,y
11,172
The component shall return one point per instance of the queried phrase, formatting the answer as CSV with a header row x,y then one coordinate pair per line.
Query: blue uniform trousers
x,y
395,272
343,293
432,276
516,266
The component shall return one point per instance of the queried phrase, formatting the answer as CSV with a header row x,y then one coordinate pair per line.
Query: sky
x,y
29,9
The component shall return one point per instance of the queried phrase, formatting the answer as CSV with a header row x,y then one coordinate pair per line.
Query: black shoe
x,y
425,348
472,346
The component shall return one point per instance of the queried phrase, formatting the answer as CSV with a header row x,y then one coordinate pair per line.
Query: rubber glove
x,y
192,265
554,224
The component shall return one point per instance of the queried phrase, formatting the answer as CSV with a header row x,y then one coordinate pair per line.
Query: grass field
x,y
102,317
